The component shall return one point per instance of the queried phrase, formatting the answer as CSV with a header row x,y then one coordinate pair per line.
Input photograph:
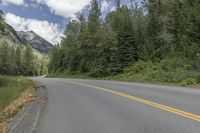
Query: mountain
x,y
35,41
10,36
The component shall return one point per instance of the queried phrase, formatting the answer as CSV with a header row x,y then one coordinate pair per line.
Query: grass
x,y
11,88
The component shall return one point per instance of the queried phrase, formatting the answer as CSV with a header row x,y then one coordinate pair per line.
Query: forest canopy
x,y
158,31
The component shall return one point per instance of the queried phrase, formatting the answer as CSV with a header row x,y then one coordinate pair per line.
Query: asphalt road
x,y
92,106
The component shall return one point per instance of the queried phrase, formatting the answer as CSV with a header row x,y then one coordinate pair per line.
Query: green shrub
x,y
96,73
172,64
141,66
175,70
188,81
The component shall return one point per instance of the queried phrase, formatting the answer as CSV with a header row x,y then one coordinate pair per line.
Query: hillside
x,y
11,34
13,37
19,58
35,41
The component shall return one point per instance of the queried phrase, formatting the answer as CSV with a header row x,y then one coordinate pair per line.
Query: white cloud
x,y
49,31
104,5
64,8
15,2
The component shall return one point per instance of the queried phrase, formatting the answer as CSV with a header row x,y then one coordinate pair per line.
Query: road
x,y
92,106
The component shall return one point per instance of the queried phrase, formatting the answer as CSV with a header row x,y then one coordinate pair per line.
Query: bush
x,y
188,81
172,64
141,66
96,73
170,70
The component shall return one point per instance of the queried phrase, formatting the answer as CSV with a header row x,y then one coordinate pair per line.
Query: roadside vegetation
x,y
11,88
19,60
67,74
174,71
169,71
157,41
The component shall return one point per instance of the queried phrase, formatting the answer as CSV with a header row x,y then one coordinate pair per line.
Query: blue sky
x,y
47,18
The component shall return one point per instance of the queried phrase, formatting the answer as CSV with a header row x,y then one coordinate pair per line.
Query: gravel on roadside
x,y
27,120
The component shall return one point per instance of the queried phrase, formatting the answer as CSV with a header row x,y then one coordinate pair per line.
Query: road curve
x,y
92,106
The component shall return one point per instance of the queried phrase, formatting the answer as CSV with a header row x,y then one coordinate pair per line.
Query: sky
x,y
47,18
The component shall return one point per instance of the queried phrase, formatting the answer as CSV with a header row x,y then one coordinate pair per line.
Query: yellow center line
x,y
153,104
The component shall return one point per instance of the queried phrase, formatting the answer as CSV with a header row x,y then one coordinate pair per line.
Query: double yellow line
x,y
153,104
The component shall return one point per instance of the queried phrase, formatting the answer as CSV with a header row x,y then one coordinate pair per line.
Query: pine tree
x,y
93,35
153,31
93,19
1,60
177,25
126,49
118,3
70,46
140,23
12,63
5,59
2,26
28,61
19,61
54,63
83,46
192,9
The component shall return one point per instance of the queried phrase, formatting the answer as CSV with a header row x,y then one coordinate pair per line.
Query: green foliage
x,y
156,42
93,19
28,63
11,88
188,81
170,70
68,74
2,26
20,61
126,49
141,66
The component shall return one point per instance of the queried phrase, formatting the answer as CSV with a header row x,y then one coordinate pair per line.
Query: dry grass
x,y
17,93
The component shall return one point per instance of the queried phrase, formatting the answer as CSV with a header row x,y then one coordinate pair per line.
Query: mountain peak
x,y
32,32
37,42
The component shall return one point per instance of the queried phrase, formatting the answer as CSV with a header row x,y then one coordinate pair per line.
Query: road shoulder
x,y
26,121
